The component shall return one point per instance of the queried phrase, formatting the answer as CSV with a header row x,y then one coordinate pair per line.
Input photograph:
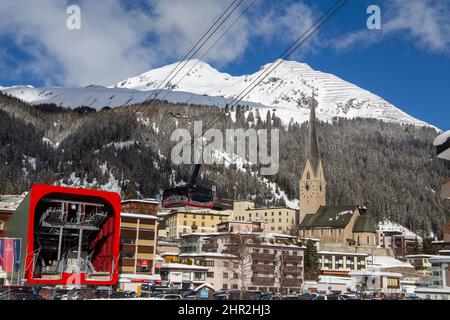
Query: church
x,y
348,225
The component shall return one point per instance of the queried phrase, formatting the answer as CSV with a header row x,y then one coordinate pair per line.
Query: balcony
x,y
292,283
263,268
263,256
293,270
260,281
290,259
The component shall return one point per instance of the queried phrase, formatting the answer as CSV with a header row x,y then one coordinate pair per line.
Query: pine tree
x,y
428,247
311,264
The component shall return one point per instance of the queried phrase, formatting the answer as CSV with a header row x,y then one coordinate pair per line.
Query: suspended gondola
x,y
189,195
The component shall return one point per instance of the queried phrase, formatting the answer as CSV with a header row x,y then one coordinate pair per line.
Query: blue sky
x,y
407,62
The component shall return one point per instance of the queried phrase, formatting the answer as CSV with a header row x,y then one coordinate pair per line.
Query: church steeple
x,y
312,151
312,183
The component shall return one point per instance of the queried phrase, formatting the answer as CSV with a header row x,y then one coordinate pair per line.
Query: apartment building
x,y
222,268
145,206
439,288
279,219
421,263
8,204
187,220
138,232
264,261
243,226
341,263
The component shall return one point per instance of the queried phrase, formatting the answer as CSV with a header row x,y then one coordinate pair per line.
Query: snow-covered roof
x,y
387,225
386,262
419,256
182,266
207,254
343,253
149,201
163,254
442,138
437,259
204,285
137,216
140,276
334,279
200,234
432,290
377,273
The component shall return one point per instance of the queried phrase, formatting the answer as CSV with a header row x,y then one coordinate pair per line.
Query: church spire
x,y
313,144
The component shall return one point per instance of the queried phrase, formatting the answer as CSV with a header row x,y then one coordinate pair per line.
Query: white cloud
x,y
118,39
424,22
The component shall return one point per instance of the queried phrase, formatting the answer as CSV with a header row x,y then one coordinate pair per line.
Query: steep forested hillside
x,y
392,169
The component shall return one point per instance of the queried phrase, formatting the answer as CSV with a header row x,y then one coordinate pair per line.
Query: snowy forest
x,y
390,168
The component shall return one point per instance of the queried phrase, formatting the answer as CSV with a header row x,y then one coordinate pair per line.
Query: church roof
x,y
364,223
329,217
312,151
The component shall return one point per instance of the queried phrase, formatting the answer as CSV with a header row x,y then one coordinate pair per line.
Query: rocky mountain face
x,y
389,167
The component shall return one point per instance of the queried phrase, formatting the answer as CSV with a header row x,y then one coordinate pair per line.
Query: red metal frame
x,y
39,191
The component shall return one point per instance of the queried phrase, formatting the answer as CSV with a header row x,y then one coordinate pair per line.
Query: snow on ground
x,y
76,182
387,225
50,142
121,145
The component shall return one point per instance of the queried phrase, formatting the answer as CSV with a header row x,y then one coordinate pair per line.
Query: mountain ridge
x,y
286,91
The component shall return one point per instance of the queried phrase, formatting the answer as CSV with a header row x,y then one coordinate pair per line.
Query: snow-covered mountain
x,y
286,90
98,97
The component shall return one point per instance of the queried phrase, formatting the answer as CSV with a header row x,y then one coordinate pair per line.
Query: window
x,y
235,275
234,286
279,213
272,213
331,232
308,176
279,220
210,274
236,265
225,286
368,240
225,264
265,213
280,228
203,224
256,214
225,275
203,217
185,215
184,230
184,223
209,263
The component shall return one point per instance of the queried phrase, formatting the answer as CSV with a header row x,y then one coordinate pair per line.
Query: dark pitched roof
x,y
364,223
329,216
312,150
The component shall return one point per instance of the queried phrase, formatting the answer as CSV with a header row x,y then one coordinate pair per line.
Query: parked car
x,y
171,297
348,297
328,297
